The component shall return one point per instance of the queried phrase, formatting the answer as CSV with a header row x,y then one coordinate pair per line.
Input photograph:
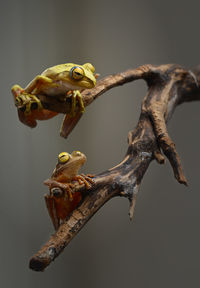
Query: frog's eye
x,y
76,73
76,153
63,157
89,66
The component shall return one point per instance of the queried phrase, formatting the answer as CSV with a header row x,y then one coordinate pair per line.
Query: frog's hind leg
x,y
16,91
50,203
30,119
24,98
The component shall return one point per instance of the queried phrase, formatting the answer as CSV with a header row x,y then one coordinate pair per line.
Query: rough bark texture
x,y
168,86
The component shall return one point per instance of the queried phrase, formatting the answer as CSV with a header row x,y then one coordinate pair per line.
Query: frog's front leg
x,y
53,183
76,96
64,186
85,179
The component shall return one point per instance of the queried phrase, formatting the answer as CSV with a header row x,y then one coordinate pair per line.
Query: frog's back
x,y
54,70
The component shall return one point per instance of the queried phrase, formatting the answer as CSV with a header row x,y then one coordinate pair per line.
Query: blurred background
x,y
160,247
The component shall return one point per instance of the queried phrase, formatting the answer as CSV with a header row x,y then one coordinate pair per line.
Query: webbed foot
x,y
25,100
66,187
85,179
76,96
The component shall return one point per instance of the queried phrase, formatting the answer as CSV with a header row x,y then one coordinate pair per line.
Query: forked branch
x,y
168,86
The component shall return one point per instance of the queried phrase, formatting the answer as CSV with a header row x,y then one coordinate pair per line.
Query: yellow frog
x,y
61,81
61,202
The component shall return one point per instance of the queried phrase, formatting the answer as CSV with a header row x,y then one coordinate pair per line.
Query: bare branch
x,y
168,86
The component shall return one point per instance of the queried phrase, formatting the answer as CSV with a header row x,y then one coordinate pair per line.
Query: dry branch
x,y
168,86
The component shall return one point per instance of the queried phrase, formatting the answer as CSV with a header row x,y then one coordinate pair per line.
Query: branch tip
x,y
132,207
181,179
159,157
132,201
37,264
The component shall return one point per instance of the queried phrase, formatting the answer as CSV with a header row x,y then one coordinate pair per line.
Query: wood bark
x,y
168,86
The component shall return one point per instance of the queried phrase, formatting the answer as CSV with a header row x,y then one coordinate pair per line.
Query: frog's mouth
x,y
88,83
81,160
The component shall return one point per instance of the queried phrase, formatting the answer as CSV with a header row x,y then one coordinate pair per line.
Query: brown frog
x,y
61,201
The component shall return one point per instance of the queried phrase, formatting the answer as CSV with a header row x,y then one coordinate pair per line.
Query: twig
x,y
168,86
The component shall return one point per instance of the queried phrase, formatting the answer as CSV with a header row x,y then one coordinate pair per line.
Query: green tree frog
x,y
60,81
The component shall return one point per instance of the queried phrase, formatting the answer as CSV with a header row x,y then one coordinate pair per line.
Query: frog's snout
x,y
93,82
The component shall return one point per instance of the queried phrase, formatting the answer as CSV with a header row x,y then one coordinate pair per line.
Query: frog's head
x,y
69,163
81,75
65,158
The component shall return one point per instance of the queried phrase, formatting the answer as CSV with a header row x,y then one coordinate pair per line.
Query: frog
x,y
62,82
61,201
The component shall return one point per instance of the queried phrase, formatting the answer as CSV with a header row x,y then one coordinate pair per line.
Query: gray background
x,y
160,248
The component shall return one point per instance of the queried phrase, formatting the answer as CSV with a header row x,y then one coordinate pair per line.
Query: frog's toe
x,y
89,179
81,104
26,102
21,100
69,192
76,96
83,179
34,99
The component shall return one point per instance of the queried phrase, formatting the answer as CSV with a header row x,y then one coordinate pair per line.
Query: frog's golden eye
x,y
76,73
76,153
63,157
89,66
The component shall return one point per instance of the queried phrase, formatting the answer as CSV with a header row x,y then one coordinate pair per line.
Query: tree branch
x,y
168,86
